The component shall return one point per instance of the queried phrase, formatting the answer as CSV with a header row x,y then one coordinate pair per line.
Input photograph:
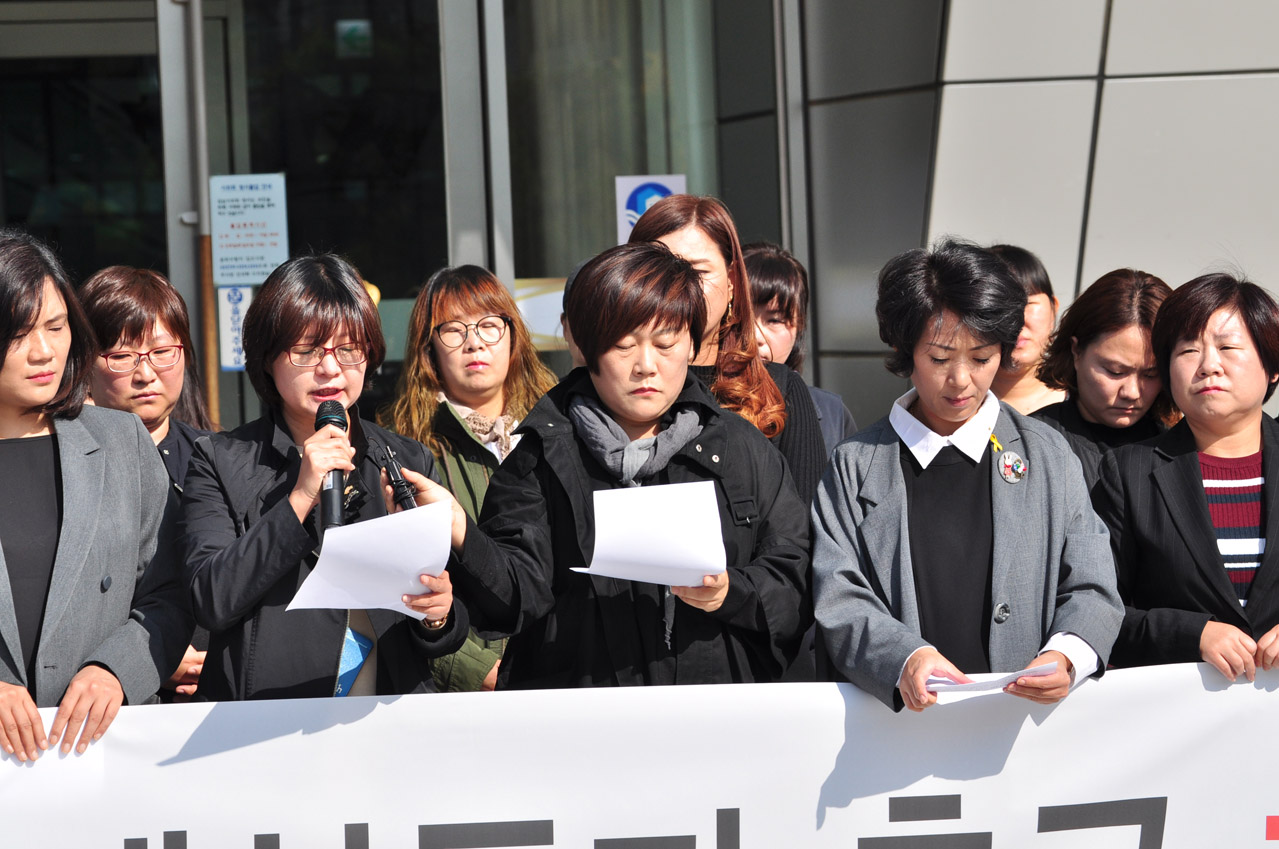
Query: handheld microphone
x,y
331,413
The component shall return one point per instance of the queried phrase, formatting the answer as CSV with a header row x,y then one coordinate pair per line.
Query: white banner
x,y
1159,757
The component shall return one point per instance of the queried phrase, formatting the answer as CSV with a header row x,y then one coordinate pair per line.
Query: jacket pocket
x,y
744,512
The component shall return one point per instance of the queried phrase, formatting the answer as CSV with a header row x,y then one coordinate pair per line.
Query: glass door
x,y
80,136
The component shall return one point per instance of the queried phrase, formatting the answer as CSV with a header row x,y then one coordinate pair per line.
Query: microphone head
x,y
330,413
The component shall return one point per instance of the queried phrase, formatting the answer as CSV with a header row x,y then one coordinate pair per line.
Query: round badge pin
x,y
1012,467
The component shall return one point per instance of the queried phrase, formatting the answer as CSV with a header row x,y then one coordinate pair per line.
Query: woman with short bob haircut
x,y
139,310
471,374
1194,514
955,535
633,417
95,614
1018,383
1101,357
310,336
770,396
145,365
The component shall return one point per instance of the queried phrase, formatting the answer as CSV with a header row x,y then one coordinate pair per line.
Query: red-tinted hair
x,y
742,384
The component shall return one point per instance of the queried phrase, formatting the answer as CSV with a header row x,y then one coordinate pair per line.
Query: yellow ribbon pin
x,y
994,444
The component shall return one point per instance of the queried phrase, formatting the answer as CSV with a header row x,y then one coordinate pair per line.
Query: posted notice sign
x,y
249,225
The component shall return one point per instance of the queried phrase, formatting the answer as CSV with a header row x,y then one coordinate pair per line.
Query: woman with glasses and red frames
x,y
143,364
471,374
142,367
311,335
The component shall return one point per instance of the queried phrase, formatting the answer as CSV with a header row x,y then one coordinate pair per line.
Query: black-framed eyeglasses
x,y
310,356
162,358
490,329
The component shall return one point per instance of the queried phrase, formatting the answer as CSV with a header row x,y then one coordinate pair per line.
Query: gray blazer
x,y
114,597
1053,570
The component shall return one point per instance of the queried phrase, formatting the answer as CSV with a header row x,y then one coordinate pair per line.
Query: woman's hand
x,y
709,596
436,602
1230,650
921,665
427,491
1267,656
187,677
490,681
93,697
1044,689
327,449
21,731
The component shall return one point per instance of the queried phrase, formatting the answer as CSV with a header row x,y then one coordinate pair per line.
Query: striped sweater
x,y
1233,486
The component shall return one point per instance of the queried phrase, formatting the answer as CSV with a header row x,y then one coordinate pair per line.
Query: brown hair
x,y
25,263
742,384
449,294
775,275
307,300
124,303
629,287
1122,298
1186,312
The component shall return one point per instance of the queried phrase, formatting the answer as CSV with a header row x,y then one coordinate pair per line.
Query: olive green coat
x,y
465,466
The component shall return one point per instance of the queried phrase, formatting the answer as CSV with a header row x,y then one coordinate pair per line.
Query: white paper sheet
x,y
373,563
667,535
988,681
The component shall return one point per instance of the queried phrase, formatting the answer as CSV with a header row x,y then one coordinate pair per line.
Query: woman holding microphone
x,y
310,336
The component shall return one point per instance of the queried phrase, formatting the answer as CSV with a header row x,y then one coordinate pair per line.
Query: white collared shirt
x,y
972,438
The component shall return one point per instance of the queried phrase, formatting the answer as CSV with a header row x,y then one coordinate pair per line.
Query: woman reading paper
x,y
633,417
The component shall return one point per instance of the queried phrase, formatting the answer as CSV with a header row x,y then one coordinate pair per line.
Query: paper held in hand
x,y
371,564
987,682
667,535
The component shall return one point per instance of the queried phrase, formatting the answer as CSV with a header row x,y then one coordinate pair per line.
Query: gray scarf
x,y
629,461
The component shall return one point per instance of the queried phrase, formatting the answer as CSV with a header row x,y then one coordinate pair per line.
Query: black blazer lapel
x,y
1180,484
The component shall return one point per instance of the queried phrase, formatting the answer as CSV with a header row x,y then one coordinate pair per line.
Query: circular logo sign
x,y
644,196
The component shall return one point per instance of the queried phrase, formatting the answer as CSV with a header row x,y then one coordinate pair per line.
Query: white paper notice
x,y
373,563
667,535
989,681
